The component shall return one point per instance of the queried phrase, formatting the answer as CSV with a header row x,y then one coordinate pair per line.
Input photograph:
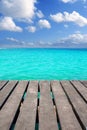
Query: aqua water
x,y
40,64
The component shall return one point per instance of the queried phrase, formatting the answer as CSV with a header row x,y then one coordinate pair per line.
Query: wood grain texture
x,y
27,116
6,91
81,89
9,109
77,102
47,116
66,115
2,84
21,99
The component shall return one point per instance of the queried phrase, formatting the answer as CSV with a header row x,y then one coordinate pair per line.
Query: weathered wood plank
x,y
27,116
47,116
2,84
80,107
9,109
81,89
6,91
84,82
67,117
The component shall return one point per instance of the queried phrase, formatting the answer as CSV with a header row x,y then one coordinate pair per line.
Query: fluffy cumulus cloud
x,y
70,17
43,23
8,24
31,29
76,38
68,1
18,8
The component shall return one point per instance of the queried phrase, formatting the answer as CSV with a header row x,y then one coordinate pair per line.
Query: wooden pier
x,y
43,105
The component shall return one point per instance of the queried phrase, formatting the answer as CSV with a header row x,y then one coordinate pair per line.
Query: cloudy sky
x,y
43,23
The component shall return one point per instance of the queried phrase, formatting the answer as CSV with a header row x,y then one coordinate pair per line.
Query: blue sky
x,y
43,23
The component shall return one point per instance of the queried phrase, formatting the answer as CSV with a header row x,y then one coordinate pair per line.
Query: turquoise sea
x,y
43,64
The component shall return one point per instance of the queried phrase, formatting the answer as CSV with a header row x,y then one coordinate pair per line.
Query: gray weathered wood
x,y
80,88
77,102
69,104
84,82
47,116
9,109
2,83
27,116
6,91
67,117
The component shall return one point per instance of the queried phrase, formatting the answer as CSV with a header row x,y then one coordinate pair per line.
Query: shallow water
x,y
43,64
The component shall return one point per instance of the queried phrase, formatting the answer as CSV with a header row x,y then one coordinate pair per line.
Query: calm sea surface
x,y
43,64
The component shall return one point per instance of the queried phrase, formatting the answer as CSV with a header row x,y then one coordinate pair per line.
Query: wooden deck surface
x,y
43,105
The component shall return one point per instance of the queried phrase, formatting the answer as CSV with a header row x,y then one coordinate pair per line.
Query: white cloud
x,y
70,17
57,17
73,1
20,43
25,20
76,38
8,24
18,8
44,24
31,29
68,1
39,14
12,39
